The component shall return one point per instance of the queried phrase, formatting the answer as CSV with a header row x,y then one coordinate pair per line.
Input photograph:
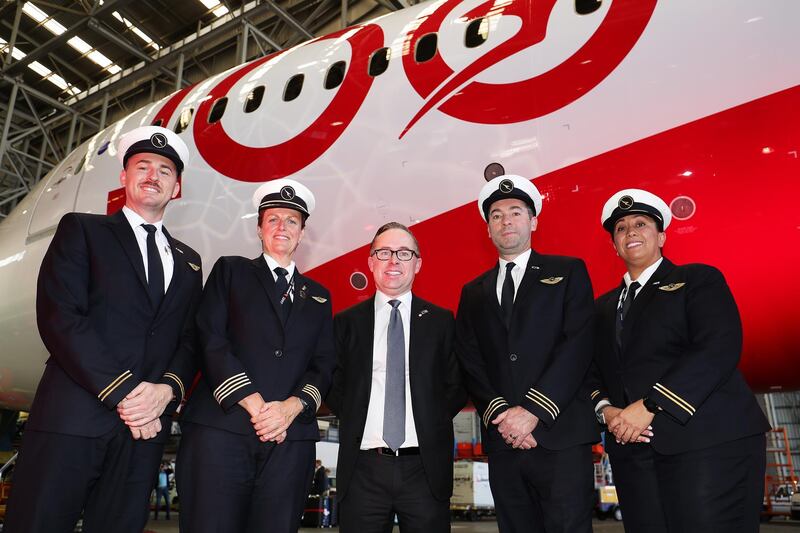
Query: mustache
x,y
152,183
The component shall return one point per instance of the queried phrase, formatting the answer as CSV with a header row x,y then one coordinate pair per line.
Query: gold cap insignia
x,y
552,280
194,267
671,287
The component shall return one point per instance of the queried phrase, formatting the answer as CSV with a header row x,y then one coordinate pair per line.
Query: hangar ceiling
x,y
71,67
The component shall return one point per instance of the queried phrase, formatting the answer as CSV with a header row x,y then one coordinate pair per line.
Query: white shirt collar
x,y
136,220
520,261
272,264
645,276
382,299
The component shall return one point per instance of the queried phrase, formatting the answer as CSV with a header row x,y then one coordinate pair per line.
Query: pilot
x,y
266,347
524,341
115,307
396,388
668,340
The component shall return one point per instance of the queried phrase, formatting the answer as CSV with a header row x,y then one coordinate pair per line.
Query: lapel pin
x,y
534,267
303,292
656,283
178,249
319,299
194,267
423,312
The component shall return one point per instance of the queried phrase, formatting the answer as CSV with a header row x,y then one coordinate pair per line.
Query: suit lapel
x,y
490,293
528,284
122,229
299,297
267,282
364,323
644,297
417,335
178,271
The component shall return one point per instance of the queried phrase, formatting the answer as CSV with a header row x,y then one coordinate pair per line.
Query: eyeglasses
x,y
384,254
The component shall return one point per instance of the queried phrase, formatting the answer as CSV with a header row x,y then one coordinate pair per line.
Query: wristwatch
x,y
598,412
304,404
651,405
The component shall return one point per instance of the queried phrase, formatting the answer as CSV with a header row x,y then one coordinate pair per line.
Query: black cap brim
x,y
637,208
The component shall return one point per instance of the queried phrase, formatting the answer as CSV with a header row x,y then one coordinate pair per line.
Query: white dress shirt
x,y
373,429
164,250
517,273
272,264
643,278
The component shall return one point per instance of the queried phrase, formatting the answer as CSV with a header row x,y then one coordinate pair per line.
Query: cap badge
x,y
506,186
159,140
626,202
287,192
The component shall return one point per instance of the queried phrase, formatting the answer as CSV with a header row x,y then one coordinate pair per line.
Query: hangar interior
x,y
71,67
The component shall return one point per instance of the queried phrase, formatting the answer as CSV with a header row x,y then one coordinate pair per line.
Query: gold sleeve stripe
x,y
547,400
494,405
312,391
237,384
105,393
177,380
542,405
227,382
234,389
680,402
595,394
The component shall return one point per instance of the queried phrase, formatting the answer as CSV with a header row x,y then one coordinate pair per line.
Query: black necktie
x,y
507,295
155,269
630,294
282,290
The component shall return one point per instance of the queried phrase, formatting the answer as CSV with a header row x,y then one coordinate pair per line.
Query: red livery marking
x,y
165,113
257,164
507,103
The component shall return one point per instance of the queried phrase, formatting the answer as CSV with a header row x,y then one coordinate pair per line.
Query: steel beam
x,y
45,134
288,19
264,37
14,30
39,95
12,100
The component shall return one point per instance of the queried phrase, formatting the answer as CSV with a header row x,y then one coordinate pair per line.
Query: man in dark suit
x,y
266,345
524,341
668,341
319,484
115,307
396,390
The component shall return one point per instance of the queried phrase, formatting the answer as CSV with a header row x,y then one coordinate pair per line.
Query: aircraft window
x,y
335,75
217,110
253,99
184,119
477,33
293,87
379,61
158,122
103,148
587,7
426,48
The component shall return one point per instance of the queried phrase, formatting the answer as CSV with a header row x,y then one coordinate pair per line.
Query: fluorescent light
x,y
34,12
98,58
80,45
113,69
54,27
58,81
139,33
210,4
39,69
220,11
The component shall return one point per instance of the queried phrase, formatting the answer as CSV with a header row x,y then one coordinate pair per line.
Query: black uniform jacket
x,y
103,335
680,346
539,362
245,348
435,381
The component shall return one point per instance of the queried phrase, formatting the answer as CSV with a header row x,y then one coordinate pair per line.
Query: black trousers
x,y
235,483
382,485
109,479
635,478
543,491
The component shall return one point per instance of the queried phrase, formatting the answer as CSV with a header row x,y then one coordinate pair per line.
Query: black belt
x,y
400,451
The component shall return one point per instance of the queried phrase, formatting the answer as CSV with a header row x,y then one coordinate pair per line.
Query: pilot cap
x,y
635,202
286,193
509,186
153,140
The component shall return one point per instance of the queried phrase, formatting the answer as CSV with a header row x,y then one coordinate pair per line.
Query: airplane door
x,y
58,196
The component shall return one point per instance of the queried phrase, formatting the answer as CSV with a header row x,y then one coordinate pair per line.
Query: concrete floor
x,y
489,526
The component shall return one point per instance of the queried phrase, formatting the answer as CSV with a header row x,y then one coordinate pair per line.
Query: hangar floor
x,y
488,526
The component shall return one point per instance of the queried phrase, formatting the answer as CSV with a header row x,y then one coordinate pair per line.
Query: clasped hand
x,y
516,425
632,424
141,408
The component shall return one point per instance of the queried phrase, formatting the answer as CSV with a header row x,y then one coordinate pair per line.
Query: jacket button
x,y
152,332
513,357
278,353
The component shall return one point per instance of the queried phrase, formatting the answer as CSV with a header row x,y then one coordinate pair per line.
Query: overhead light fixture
x,y
139,33
215,7
40,69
